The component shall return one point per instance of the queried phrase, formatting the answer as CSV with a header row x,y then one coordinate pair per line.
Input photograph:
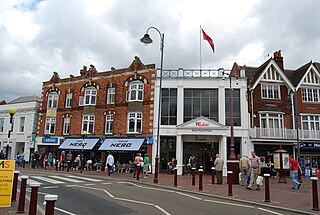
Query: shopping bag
x,y
106,169
240,178
259,180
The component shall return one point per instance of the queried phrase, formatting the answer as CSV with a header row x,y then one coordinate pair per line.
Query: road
x,y
94,195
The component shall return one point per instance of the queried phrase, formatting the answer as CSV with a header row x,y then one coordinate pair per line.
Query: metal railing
x,y
283,133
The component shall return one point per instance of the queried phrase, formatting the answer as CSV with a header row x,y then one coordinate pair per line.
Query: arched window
x,y
135,91
90,96
53,100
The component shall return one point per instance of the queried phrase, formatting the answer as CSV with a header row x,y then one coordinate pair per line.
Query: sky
x,y
38,37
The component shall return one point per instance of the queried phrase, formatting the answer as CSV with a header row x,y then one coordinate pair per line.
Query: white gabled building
x,y
195,116
24,127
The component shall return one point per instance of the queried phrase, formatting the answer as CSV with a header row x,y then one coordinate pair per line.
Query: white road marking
x,y
29,181
51,187
106,183
134,201
71,185
227,203
158,189
84,178
269,211
89,184
64,211
163,210
194,197
66,179
52,181
109,194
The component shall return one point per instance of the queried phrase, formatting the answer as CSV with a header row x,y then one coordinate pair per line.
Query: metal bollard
x,y
15,186
138,173
34,163
230,183
315,204
213,172
183,169
23,164
33,198
56,165
50,200
200,179
175,182
193,172
68,167
266,188
22,197
45,165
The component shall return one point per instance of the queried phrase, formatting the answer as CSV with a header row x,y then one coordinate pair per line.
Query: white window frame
x,y
310,94
312,121
22,122
88,124
136,118
91,94
1,125
270,91
53,100
109,124
273,117
136,91
111,95
50,125
66,125
68,100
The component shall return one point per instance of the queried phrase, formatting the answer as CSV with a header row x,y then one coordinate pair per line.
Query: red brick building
x,y
111,104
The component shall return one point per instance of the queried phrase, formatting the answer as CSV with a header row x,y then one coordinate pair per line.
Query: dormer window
x,y
90,96
135,91
53,100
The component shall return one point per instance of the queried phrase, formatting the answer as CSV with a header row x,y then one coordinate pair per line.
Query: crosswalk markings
x,y
83,178
89,184
30,181
65,179
52,181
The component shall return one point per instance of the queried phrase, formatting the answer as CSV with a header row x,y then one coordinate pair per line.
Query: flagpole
x,y
200,48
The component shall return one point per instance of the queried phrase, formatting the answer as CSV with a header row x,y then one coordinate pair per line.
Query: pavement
x,y
282,196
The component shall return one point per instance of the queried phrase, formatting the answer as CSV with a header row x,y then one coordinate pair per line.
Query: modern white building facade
x,y
24,127
195,117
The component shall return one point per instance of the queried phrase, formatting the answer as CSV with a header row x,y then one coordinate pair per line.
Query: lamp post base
x,y
233,165
156,170
282,177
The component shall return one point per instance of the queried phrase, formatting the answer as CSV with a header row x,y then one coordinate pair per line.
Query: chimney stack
x,y
278,59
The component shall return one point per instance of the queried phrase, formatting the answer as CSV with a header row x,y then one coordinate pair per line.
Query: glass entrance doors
x,y
204,153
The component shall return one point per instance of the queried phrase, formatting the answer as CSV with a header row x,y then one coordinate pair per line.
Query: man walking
x,y
2,156
146,161
110,163
255,169
244,166
219,167
294,165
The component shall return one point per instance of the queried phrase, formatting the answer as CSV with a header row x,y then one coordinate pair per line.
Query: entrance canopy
x,y
77,144
122,144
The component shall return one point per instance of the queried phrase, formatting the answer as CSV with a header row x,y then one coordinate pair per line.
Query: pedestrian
x,y
2,156
36,159
45,161
219,167
294,167
77,162
255,170
69,159
244,166
62,160
50,160
110,163
137,163
146,161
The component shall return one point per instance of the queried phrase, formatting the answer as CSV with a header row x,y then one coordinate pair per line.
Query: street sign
x,y
6,182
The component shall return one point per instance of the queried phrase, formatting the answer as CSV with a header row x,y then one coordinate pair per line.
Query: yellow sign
x,y
6,182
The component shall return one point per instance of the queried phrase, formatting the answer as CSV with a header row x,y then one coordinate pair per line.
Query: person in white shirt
x,y
110,163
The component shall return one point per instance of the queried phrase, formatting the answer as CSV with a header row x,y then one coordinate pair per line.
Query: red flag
x,y
207,38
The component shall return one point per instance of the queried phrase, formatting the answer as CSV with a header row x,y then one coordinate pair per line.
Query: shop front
x,y
265,150
44,145
125,149
8,146
310,158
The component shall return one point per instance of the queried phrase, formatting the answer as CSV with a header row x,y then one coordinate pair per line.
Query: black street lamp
x,y
147,40
83,134
232,163
12,111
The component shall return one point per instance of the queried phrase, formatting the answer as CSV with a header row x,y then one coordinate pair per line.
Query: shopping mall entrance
x,y
204,153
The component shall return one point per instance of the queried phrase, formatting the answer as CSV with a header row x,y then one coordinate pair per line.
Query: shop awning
x,y
122,144
76,144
